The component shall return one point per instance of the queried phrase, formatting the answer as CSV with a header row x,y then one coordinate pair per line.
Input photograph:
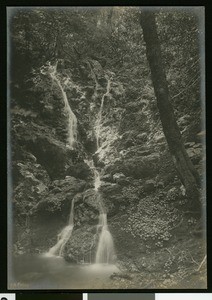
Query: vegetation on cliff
x,y
100,54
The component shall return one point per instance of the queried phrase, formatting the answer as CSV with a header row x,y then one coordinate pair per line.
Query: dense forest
x,y
107,156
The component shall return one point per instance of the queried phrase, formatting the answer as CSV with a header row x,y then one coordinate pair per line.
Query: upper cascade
x,y
99,116
72,120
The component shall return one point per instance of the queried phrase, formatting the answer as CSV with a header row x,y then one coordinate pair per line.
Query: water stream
x,y
105,249
99,116
63,236
53,272
72,120
49,270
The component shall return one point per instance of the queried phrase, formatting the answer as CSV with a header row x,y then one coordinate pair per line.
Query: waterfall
x,y
105,250
72,120
99,117
63,236
97,179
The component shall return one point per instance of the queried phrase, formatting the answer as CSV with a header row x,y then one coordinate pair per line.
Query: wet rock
x,y
90,145
109,189
70,184
90,198
79,170
82,245
60,197
51,154
107,178
70,258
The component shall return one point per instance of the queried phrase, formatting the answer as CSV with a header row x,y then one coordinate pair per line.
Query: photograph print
x,y
106,148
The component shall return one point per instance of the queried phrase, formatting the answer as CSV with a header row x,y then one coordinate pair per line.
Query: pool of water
x,y
53,272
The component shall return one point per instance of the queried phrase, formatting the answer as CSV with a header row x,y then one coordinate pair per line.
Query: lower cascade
x,y
105,250
63,236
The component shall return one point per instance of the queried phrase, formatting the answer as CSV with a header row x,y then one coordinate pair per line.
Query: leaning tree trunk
x,y
185,169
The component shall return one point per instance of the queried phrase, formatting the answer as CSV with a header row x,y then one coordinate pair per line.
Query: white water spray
x,y
72,120
97,178
63,236
99,117
105,251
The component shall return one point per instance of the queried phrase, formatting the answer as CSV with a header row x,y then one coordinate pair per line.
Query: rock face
x,y
140,190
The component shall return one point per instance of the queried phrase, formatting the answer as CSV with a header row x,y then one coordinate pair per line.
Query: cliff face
x,y
86,134
140,190
153,227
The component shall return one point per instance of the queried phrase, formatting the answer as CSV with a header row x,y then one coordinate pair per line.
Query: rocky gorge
x,y
158,240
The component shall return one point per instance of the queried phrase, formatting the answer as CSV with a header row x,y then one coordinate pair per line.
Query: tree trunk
x,y
185,169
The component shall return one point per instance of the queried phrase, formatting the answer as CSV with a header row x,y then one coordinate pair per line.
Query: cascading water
x,y
72,120
99,119
105,250
97,180
63,236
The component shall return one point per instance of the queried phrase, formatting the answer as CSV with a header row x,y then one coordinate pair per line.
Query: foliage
x,y
180,35
131,193
92,45
152,220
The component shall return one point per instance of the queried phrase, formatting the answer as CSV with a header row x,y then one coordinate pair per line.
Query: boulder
x,y
107,178
60,196
149,186
51,154
79,170
90,198
118,176
109,189
141,167
82,245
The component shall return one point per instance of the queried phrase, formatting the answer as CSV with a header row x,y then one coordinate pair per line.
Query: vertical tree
x,y
185,169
